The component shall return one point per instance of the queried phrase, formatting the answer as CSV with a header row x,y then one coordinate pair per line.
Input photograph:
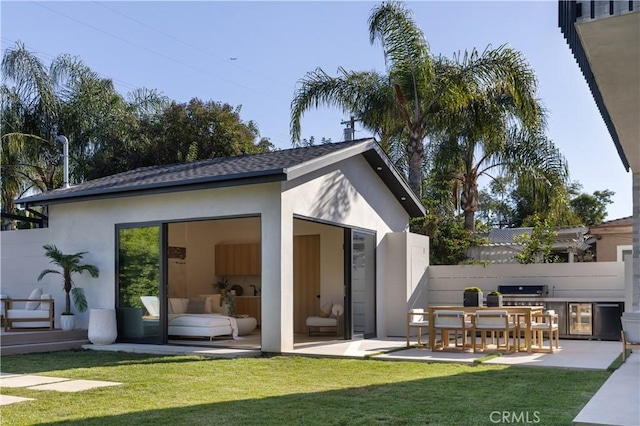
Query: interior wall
x,y
200,239
331,259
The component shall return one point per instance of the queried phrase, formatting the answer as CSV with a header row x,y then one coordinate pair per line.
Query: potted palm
x,y
494,299
69,264
222,286
472,296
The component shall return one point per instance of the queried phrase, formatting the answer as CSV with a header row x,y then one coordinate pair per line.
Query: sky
x,y
254,53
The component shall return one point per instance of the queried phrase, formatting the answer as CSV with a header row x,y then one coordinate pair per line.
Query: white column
x,y
277,279
635,281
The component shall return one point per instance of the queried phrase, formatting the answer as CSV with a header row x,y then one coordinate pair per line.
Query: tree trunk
x,y
415,149
469,204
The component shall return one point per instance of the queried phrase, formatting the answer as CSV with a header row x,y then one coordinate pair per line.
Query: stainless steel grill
x,y
520,295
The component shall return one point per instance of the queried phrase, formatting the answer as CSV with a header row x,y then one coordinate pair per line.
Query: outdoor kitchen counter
x,y
568,299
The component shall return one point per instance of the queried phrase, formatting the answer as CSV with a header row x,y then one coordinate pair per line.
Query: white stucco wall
x,y
350,193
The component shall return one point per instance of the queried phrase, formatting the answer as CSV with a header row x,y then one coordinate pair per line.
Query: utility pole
x,y
350,131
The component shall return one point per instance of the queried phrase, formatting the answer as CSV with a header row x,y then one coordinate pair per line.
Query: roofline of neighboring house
x,y
620,222
567,16
368,148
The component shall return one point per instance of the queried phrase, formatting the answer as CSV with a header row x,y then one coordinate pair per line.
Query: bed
x,y
200,317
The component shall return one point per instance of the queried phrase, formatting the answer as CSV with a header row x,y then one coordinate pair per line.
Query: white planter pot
x,y
631,326
103,329
67,322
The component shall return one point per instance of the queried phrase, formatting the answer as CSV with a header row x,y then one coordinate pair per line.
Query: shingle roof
x,y
226,171
623,221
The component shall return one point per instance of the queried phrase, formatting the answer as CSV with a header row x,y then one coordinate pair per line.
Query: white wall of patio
x,y
595,281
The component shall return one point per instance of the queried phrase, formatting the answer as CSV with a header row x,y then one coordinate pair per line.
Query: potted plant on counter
x,y
222,285
472,296
69,263
494,299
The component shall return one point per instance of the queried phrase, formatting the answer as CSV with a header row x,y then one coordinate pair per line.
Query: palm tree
x,y
70,264
42,102
493,136
419,90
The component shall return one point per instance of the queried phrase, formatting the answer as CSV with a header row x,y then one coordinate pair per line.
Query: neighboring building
x,y
604,38
570,245
305,226
614,239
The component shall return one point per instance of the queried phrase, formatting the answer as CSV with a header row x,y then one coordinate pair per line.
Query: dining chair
x,y
546,322
417,318
494,321
451,321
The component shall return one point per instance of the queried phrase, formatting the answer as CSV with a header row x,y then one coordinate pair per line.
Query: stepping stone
x,y
7,399
20,381
74,385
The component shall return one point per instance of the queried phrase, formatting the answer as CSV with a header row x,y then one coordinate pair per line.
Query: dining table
x,y
522,315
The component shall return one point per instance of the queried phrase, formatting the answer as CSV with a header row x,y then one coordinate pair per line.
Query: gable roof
x,y
273,166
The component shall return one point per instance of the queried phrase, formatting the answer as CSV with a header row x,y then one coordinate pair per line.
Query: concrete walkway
x,y
44,383
617,402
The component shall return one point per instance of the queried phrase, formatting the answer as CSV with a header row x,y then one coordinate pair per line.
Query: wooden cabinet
x,y
249,305
238,259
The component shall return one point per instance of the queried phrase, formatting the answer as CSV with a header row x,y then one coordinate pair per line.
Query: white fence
x,y
597,280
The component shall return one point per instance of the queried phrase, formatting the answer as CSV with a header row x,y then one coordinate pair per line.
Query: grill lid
x,y
523,290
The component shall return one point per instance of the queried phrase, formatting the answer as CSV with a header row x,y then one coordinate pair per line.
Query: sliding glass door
x,y
140,292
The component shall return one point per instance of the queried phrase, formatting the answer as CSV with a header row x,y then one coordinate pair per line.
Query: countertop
x,y
567,299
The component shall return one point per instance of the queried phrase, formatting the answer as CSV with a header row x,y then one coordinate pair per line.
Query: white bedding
x,y
213,322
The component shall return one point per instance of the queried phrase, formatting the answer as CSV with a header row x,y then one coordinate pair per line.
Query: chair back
x,y
417,315
448,319
492,318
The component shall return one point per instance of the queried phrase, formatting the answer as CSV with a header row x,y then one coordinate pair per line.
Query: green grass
x,y
290,391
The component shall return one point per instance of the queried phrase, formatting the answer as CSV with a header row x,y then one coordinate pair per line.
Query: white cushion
x,y
27,313
44,306
321,322
213,303
152,304
336,311
177,305
35,294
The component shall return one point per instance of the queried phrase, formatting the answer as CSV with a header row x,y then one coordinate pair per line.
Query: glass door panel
x,y
363,285
139,304
580,319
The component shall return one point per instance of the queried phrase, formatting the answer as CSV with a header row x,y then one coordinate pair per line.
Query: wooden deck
x,y
19,342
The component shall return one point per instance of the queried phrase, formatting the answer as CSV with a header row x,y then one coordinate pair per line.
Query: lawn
x,y
175,390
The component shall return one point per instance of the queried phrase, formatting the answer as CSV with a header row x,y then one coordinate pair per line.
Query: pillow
x,y
44,306
35,294
176,306
325,311
212,305
336,311
196,305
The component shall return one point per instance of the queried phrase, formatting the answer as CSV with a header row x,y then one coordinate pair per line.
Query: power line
x,y
156,53
172,37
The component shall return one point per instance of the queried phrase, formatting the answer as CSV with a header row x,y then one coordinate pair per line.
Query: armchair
x,y
417,318
494,322
34,313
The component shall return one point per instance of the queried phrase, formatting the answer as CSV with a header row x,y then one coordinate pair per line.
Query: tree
x,y
70,264
419,89
537,247
42,103
497,132
592,208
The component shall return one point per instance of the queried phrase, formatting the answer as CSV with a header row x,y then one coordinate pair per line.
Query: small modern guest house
x,y
290,231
